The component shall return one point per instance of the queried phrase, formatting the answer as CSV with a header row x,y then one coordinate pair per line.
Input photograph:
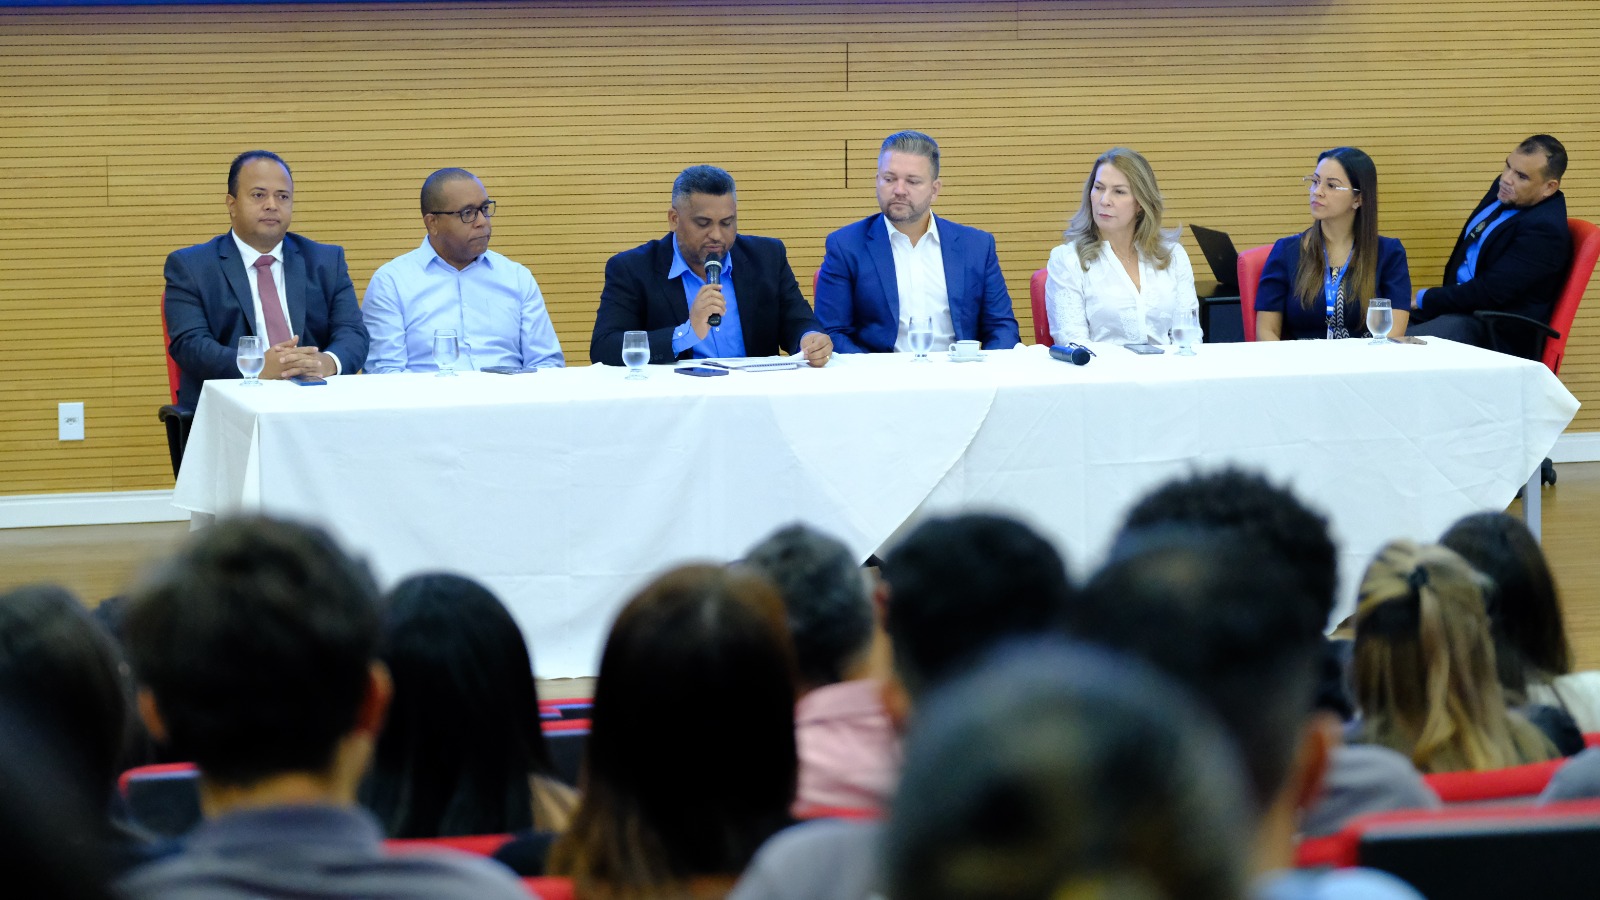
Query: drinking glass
x,y
635,353
252,358
1186,330
1380,320
920,336
446,349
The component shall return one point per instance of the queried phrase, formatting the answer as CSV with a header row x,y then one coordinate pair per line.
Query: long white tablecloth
x,y
566,490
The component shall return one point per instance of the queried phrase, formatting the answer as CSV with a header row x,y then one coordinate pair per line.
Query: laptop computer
x,y
1220,255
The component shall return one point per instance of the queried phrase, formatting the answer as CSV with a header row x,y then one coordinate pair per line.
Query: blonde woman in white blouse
x,y
1118,277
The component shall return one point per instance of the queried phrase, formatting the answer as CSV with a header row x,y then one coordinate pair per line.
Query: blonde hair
x,y
1149,239
1425,670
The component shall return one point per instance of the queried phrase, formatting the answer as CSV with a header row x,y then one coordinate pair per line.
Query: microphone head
x,y
713,268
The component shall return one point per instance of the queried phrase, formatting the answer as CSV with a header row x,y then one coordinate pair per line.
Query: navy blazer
x,y
858,298
638,296
1521,268
1276,293
209,307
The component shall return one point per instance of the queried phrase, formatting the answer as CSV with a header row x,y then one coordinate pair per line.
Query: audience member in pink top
x,y
848,746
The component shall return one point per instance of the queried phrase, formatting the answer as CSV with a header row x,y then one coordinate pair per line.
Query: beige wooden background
x,y
117,126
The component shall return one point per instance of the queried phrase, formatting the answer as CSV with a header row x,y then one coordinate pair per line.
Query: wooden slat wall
x,y
117,124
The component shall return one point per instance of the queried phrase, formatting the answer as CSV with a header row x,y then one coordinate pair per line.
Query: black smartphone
x,y
701,371
307,380
1145,349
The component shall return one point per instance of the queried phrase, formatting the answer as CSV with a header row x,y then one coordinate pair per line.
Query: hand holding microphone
x,y
714,276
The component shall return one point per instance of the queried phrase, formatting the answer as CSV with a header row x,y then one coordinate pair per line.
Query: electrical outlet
x,y
69,421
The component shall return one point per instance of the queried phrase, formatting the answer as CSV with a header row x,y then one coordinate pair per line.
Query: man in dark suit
x,y
1513,253
661,287
880,272
260,280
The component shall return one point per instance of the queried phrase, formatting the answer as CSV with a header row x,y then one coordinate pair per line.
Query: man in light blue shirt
x,y
455,282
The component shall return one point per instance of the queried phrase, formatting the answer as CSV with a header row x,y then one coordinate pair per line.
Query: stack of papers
x,y
755,363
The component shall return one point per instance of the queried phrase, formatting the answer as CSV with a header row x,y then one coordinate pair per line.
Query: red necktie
x,y
272,320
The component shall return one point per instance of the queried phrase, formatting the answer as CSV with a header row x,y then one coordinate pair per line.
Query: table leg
x,y
1531,501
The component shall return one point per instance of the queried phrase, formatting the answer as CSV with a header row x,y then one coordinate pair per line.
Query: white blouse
x,y
1103,305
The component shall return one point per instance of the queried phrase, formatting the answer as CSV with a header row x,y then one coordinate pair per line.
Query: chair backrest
x,y
548,887
1251,262
1041,316
1585,250
1495,784
172,364
163,799
1346,847
476,844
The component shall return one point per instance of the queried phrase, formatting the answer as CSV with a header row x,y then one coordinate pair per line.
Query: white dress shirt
x,y
249,255
919,277
1102,304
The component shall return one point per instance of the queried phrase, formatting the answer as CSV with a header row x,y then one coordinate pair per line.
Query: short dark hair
x,y
701,180
664,800
1255,511
1530,639
959,585
463,735
1228,619
247,156
433,186
915,143
824,592
1555,164
62,672
1054,765
256,642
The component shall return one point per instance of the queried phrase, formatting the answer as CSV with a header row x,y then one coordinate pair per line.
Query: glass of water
x,y
920,335
635,353
1186,330
252,358
446,349
1380,320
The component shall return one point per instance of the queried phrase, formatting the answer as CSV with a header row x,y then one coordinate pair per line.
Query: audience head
x,y
1533,172
1120,199
1230,621
63,674
1344,195
1424,665
1254,511
1530,641
255,648
50,832
463,734
260,198
826,597
690,763
446,195
960,585
1054,770
704,216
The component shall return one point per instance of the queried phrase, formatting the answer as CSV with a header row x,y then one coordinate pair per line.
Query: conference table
x,y
566,490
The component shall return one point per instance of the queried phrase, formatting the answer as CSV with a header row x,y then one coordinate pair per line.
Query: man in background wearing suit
x,y
881,271
1513,253
661,287
259,279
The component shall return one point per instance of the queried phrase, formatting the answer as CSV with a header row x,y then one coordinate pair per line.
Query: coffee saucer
x,y
965,359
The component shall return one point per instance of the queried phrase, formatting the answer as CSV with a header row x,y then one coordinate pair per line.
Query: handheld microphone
x,y
1077,354
714,276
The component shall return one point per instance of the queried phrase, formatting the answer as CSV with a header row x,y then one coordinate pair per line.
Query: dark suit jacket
x,y
858,298
208,308
638,297
1521,267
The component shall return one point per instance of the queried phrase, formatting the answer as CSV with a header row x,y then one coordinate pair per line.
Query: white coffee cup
x,y
966,349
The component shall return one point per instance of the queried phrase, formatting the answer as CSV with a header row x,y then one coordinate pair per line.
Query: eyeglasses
x,y
469,214
1315,183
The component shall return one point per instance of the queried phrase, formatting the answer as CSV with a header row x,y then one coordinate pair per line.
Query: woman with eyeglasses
x,y
1118,276
1318,284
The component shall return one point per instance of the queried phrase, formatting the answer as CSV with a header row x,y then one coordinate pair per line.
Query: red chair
x,y
550,888
1496,784
1344,847
1041,316
163,799
1251,262
476,844
1585,251
177,419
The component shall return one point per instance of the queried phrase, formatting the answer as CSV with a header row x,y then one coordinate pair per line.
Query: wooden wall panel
x,y
118,125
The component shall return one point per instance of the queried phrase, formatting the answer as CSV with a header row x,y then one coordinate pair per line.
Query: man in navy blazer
x,y
1513,253
879,272
260,280
752,308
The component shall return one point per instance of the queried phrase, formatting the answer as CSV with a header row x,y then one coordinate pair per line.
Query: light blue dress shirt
x,y
493,304
721,341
